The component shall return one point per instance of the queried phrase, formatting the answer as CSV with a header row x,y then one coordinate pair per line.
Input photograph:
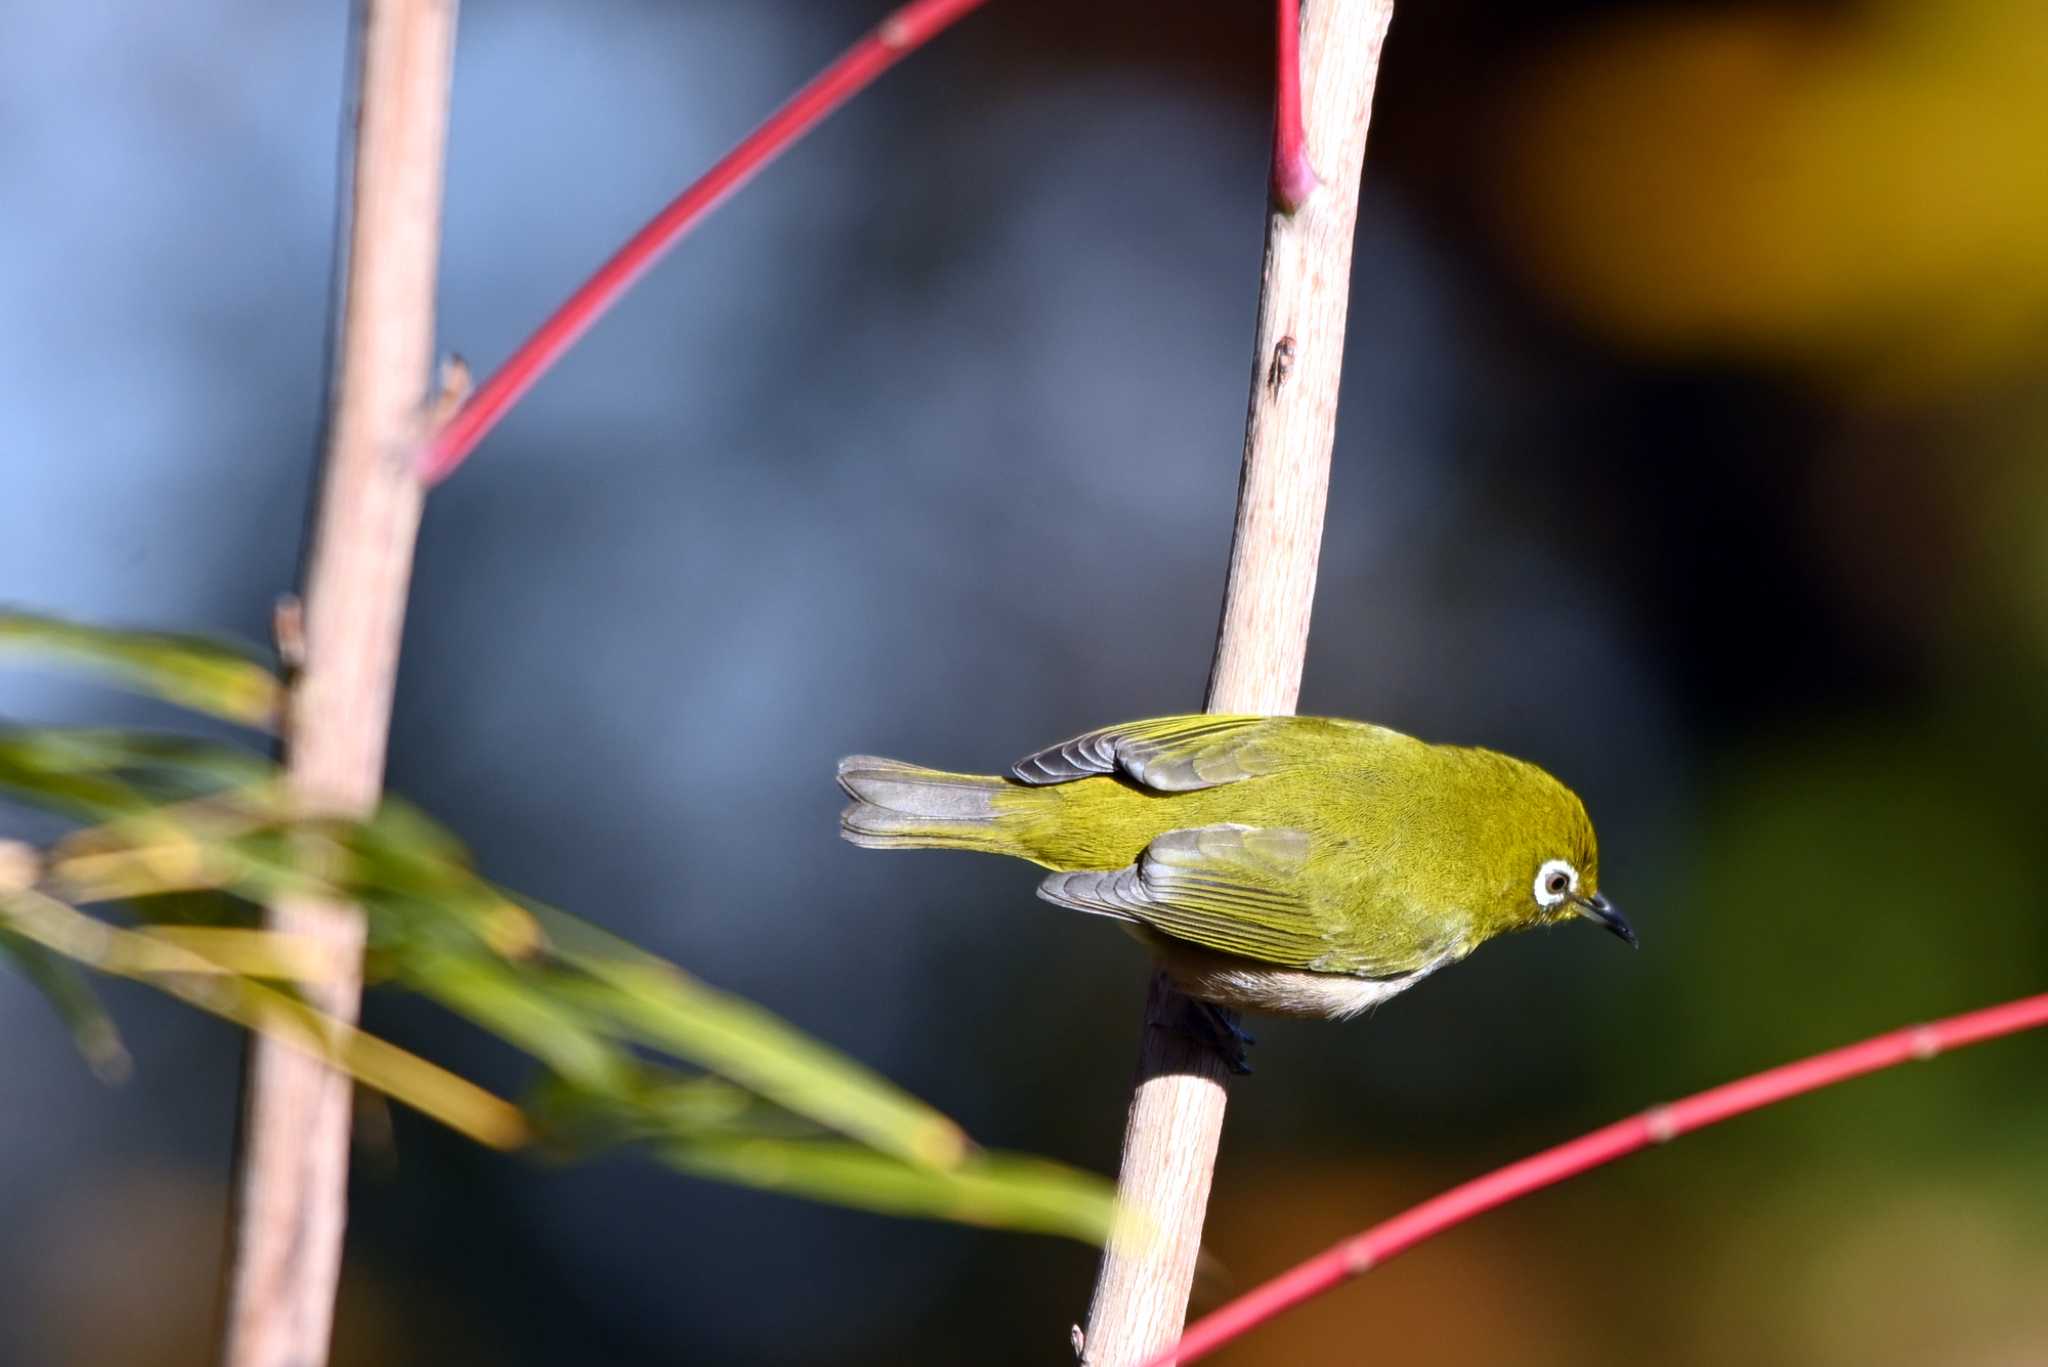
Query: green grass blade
x,y
525,1014
100,774
191,671
666,1009
1007,1191
76,1004
176,816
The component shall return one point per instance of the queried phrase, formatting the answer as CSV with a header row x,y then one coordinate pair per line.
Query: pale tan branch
x,y
1176,1115
292,1181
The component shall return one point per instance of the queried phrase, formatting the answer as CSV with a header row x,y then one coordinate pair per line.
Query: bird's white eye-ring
x,y
1555,881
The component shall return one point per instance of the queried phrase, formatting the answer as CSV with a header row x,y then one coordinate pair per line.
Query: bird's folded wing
x,y
1236,889
1168,754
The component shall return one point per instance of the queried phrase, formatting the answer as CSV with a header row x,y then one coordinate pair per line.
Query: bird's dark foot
x,y
1221,1029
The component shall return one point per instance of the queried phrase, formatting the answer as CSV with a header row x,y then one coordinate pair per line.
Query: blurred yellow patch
x,y
1864,194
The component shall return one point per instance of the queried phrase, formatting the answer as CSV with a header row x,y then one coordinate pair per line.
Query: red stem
x,y
1294,176
903,32
1657,1125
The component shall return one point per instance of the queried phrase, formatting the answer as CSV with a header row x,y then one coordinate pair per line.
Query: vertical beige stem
x,y
292,1183
1176,1116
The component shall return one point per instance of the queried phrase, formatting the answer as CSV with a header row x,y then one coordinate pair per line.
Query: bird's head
x,y
1563,861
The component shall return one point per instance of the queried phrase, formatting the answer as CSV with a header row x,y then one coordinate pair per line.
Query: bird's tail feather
x,y
906,806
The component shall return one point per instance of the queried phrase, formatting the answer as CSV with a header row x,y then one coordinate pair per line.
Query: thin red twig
x,y
903,32
1657,1125
1294,176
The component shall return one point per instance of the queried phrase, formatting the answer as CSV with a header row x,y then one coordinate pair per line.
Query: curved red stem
x,y
1294,176
903,32
1657,1125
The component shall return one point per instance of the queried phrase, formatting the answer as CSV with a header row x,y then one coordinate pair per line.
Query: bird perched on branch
x,y
1302,866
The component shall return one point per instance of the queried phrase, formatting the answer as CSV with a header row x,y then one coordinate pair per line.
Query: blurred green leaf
x,y
400,831
524,1015
191,977
101,774
191,671
663,1007
92,1029
403,862
185,831
656,1106
1008,1190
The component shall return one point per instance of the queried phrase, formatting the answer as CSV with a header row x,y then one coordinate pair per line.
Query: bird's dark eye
x,y
1554,882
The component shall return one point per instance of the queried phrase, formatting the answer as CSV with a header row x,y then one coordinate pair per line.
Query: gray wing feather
x,y
1118,893
1169,755
1081,757
1228,887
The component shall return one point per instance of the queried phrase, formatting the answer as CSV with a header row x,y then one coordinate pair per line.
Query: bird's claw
x,y
1220,1029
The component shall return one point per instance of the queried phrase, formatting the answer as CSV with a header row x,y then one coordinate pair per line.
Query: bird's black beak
x,y
1598,909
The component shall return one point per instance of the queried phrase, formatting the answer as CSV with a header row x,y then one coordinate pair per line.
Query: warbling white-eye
x,y
1303,866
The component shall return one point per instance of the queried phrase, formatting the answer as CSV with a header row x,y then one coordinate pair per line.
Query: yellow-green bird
x,y
1303,866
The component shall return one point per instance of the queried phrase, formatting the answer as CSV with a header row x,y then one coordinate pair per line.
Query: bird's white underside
x,y
1247,985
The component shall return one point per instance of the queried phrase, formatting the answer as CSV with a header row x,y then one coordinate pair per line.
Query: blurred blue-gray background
x,y
1692,445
